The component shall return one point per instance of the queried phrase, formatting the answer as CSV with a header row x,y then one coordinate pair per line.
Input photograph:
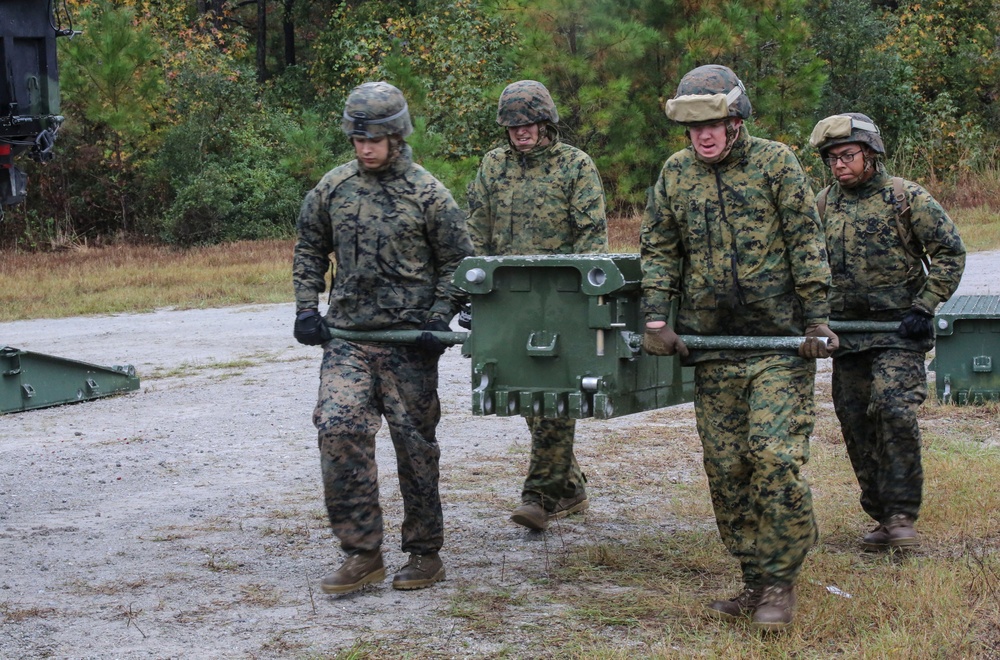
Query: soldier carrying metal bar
x,y
396,237
731,233
895,255
539,195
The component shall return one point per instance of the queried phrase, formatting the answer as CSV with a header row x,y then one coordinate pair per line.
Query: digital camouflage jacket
x,y
737,243
396,238
874,277
549,200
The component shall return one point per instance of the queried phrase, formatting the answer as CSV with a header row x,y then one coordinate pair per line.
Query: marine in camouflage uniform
x,y
538,195
879,379
396,237
731,233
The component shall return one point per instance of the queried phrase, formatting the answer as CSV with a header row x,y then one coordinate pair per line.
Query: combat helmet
x,y
846,128
709,94
376,109
526,102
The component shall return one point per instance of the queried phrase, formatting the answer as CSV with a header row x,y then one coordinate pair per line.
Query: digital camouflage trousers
x,y
754,417
553,472
360,384
876,394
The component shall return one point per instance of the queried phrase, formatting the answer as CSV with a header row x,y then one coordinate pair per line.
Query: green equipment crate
x,y
559,336
968,347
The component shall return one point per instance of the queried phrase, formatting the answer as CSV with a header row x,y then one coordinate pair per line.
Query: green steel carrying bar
x,y
34,380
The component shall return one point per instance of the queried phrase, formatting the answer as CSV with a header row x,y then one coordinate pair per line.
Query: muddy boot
x,y
900,532
569,505
420,571
531,515
775,608
742,605
876,540
357,570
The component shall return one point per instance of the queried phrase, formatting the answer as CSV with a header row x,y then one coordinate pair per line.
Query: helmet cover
x,y
526,102
709,94
844,129
374,110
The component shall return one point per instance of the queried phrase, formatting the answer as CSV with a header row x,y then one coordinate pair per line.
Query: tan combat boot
x,y
567,506
419,572
900,532
743,604
531,515
357,570
775,608
876,540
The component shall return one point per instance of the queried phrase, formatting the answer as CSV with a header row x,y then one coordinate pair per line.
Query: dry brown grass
x,y
139,278
979,225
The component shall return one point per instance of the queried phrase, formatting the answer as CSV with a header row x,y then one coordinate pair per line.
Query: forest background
x,y
195,122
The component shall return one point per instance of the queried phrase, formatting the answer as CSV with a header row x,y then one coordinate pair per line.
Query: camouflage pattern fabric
x,y
375,109
715,79
879,379
553,472
526,102
738,243
359,384
396,238
873,276
754,418
549,200
876,394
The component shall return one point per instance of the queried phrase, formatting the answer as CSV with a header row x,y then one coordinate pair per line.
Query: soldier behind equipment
x,y
879,231
731,234
397,237
538,195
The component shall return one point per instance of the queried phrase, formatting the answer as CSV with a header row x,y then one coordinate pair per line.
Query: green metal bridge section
x,y
34,380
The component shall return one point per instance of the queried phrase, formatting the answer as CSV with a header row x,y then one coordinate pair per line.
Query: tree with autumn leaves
x,y
198,121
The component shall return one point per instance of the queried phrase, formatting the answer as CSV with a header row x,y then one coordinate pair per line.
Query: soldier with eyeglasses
x,y
895,255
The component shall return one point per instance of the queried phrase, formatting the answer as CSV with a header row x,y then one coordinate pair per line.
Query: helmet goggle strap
x,y
695,108
837,127
361,122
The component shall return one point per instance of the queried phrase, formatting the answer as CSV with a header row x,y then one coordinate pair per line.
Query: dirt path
x,y
185,520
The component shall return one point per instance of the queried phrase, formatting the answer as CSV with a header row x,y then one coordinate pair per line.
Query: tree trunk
x,y
288,27
261,41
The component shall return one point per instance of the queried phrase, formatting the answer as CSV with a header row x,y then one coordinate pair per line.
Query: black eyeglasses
x,y
844,158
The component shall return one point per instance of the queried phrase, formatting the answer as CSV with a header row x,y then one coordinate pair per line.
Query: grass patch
x,y
141,278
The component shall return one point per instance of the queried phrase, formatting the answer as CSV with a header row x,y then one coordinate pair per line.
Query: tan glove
x,y
659,339
813,349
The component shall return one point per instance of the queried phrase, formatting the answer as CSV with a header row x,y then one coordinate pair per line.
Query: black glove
x,y
428,342
465,316
917,324
310,328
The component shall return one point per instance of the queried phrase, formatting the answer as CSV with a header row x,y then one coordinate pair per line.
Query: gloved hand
x,y
813,349
660,339
428,342
465,316
917,324
310,328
